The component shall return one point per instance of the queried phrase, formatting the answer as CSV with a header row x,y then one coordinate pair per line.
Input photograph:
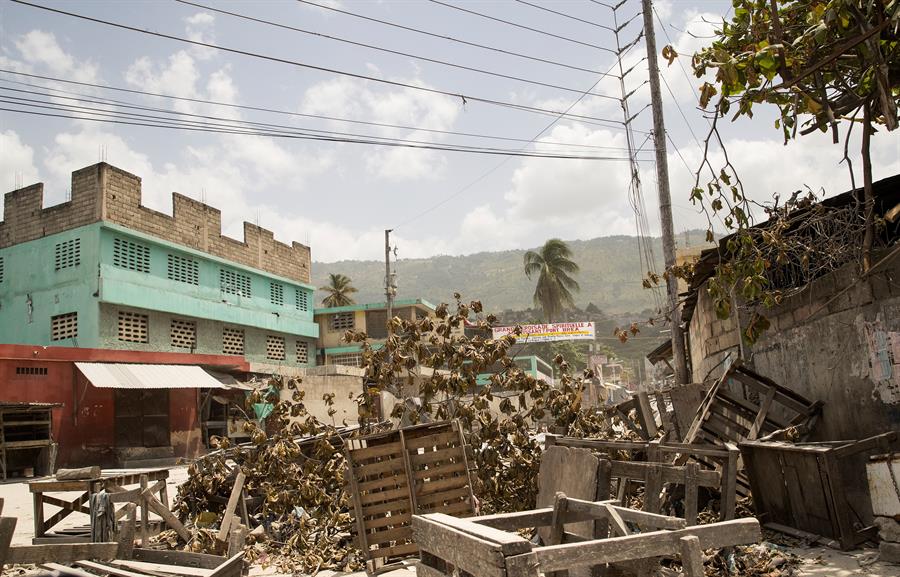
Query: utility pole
x,y
665,200
388,280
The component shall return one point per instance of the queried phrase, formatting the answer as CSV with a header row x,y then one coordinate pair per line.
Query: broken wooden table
x,y
112,480
721,459
489,546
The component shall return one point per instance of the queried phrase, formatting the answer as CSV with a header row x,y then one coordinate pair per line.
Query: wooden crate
x,y
393,475
819,488
489,546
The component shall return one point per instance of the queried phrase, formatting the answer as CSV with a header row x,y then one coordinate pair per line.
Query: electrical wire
x,y
449,38
134,119
522,26
463,97
395,52
564,15
500,164
231,123
259,108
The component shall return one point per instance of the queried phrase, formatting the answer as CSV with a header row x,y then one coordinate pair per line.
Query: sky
x,y
340,197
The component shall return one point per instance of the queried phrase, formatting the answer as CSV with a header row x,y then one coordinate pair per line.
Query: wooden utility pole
x,y
388,281
665,200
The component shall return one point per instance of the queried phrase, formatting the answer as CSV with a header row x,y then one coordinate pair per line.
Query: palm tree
x,y
339,289
554,266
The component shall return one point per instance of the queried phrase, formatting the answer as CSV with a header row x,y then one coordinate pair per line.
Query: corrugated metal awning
x,y
128,376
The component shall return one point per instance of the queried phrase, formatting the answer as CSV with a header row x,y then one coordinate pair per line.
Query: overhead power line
x,y
463,97
564,15
451,38
500,164
73,113
264,109
395,52
523,27
230,123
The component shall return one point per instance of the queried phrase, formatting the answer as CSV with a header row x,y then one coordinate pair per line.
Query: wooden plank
x,y
510,543
668,473
182,558
647,521
170,519
466,552
445,496
449,438
442,455
399,506
62,553
645,415
232,567
616,521
365,454
125,532
382,496
440,471
78,474
764,406
391,482
389,536
388,521
145,513
73,506
379,468
644,545
423,570
110,570
556,521
691,486
7,529
691,556
395,551
442,485
518,520
729,482
162,568
357,507
231,506
69,571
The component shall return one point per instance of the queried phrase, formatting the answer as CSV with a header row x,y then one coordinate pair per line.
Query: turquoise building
x,y
102,271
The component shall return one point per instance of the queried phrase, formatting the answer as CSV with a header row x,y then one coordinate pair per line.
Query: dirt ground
x,y
818,561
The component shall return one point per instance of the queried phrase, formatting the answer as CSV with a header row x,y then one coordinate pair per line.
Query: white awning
x,y
128,376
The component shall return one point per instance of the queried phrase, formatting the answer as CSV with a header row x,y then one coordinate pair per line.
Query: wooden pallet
x,y
489,546
394,475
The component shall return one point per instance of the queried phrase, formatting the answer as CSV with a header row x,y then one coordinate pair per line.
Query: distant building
x,y
369,318
531,364
119,285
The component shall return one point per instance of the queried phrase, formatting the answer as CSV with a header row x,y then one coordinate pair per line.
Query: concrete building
x,y
369,318
835,341
103,271
119,284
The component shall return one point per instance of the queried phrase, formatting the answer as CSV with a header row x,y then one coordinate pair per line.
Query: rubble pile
x,y
294,484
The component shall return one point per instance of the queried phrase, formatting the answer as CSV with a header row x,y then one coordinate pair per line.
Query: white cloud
x,y
348,98
199,29
178,77
41,49
16,162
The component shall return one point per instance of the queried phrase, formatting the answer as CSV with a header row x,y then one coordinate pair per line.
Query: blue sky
x,y
340,197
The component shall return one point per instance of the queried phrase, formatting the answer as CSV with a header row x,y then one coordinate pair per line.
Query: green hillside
x,y
610,277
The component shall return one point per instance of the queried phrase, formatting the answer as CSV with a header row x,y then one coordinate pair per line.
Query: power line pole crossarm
x,y
665,199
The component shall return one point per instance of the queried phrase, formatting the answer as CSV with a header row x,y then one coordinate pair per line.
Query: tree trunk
x,y
869,199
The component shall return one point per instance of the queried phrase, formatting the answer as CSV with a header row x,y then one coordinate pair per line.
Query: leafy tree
x,y
553,266
338,289
822,64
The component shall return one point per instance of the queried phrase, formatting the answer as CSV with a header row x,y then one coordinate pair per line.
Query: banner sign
x,y
549,332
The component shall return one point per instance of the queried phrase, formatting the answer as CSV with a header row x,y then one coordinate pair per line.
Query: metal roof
x,y
132,376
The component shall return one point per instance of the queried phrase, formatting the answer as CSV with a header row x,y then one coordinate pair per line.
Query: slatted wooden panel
x,y
393,475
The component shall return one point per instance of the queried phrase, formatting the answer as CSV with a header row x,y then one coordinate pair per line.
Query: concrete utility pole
x,y
388,281
665,200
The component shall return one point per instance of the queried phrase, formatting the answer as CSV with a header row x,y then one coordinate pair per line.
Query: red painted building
x,y
107,415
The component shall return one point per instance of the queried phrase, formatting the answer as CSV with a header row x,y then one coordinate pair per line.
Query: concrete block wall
x,y
819,346
104,192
